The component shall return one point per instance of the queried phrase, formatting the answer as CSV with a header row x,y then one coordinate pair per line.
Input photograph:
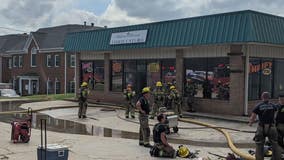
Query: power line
x,y
12,29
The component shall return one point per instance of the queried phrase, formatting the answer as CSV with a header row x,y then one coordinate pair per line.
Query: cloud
x,y
30,15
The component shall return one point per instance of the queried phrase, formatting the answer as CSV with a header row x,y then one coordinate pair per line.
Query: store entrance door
x,y
141,81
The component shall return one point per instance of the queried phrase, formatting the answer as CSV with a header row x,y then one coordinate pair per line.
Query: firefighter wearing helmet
x,y
83,104
159,98
175,97
183,151
129,97
143,107
190,92
161,147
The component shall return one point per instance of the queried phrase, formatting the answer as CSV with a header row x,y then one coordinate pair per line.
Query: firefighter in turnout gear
x,y
176,100
129,96
83,104
161,147
266,127
280,121
190,92
144,109
159,97
168,103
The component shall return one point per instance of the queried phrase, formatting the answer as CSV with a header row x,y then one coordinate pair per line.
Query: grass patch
x,y
49,97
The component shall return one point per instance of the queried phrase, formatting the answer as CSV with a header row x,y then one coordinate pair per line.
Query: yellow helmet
x,y
172,87
84,84
183,151
159,84
145,90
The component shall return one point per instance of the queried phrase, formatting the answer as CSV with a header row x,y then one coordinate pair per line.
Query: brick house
x,y
43,67
10,45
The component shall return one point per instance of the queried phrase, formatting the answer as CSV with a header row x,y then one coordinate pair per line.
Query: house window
x,y
33,57
72,60
48,60
57,60
10,63
49,87
71,86
20,61
15,62
57,87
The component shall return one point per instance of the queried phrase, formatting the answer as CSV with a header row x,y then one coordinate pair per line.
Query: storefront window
x,y
117,68
98,75
168,71
153,73
87,73
211,76
279,77
260,77
130,73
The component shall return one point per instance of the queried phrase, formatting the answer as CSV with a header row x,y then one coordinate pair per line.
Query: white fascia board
x,y
48,50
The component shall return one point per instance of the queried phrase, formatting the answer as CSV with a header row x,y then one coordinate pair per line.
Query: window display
x,y
211,76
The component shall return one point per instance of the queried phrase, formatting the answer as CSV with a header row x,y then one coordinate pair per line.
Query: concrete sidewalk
x,y
100,147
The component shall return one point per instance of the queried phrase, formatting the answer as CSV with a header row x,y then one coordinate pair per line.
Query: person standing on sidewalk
x,y
159,97
176,100
129,96
280,121
266,127
144,109
83,104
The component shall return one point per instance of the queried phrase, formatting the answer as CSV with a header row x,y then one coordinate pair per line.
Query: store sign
x,y
264,67
138,36
154,67
116,67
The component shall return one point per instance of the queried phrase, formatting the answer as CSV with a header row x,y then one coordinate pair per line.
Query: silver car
x,y
8,93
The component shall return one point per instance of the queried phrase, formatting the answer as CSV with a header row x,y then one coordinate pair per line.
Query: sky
x,y
24,16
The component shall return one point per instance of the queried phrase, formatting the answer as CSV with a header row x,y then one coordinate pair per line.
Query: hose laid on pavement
x,y
226,134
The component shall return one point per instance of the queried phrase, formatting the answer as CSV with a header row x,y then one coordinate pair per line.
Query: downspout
x,y
246,81
75,74
65,73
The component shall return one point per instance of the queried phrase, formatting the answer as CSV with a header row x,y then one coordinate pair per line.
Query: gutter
x,y
48,50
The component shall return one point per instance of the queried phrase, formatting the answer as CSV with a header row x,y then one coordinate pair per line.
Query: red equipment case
x,y
21,129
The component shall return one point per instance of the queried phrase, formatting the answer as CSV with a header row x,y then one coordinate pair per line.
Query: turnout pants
x,y
263,131
82,108
280,129
155,108
130,109
177,108
144,130
166,151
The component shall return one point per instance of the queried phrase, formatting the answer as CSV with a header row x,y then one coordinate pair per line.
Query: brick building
x,y
244,51
41,66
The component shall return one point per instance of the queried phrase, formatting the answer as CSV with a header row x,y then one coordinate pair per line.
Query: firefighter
x,y
160,139
266,127
143,107
280,121
176,100
159,97
190,92
83,104
207,89
168,103
129,96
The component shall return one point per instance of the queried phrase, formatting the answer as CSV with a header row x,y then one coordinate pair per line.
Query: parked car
x,y
8,93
